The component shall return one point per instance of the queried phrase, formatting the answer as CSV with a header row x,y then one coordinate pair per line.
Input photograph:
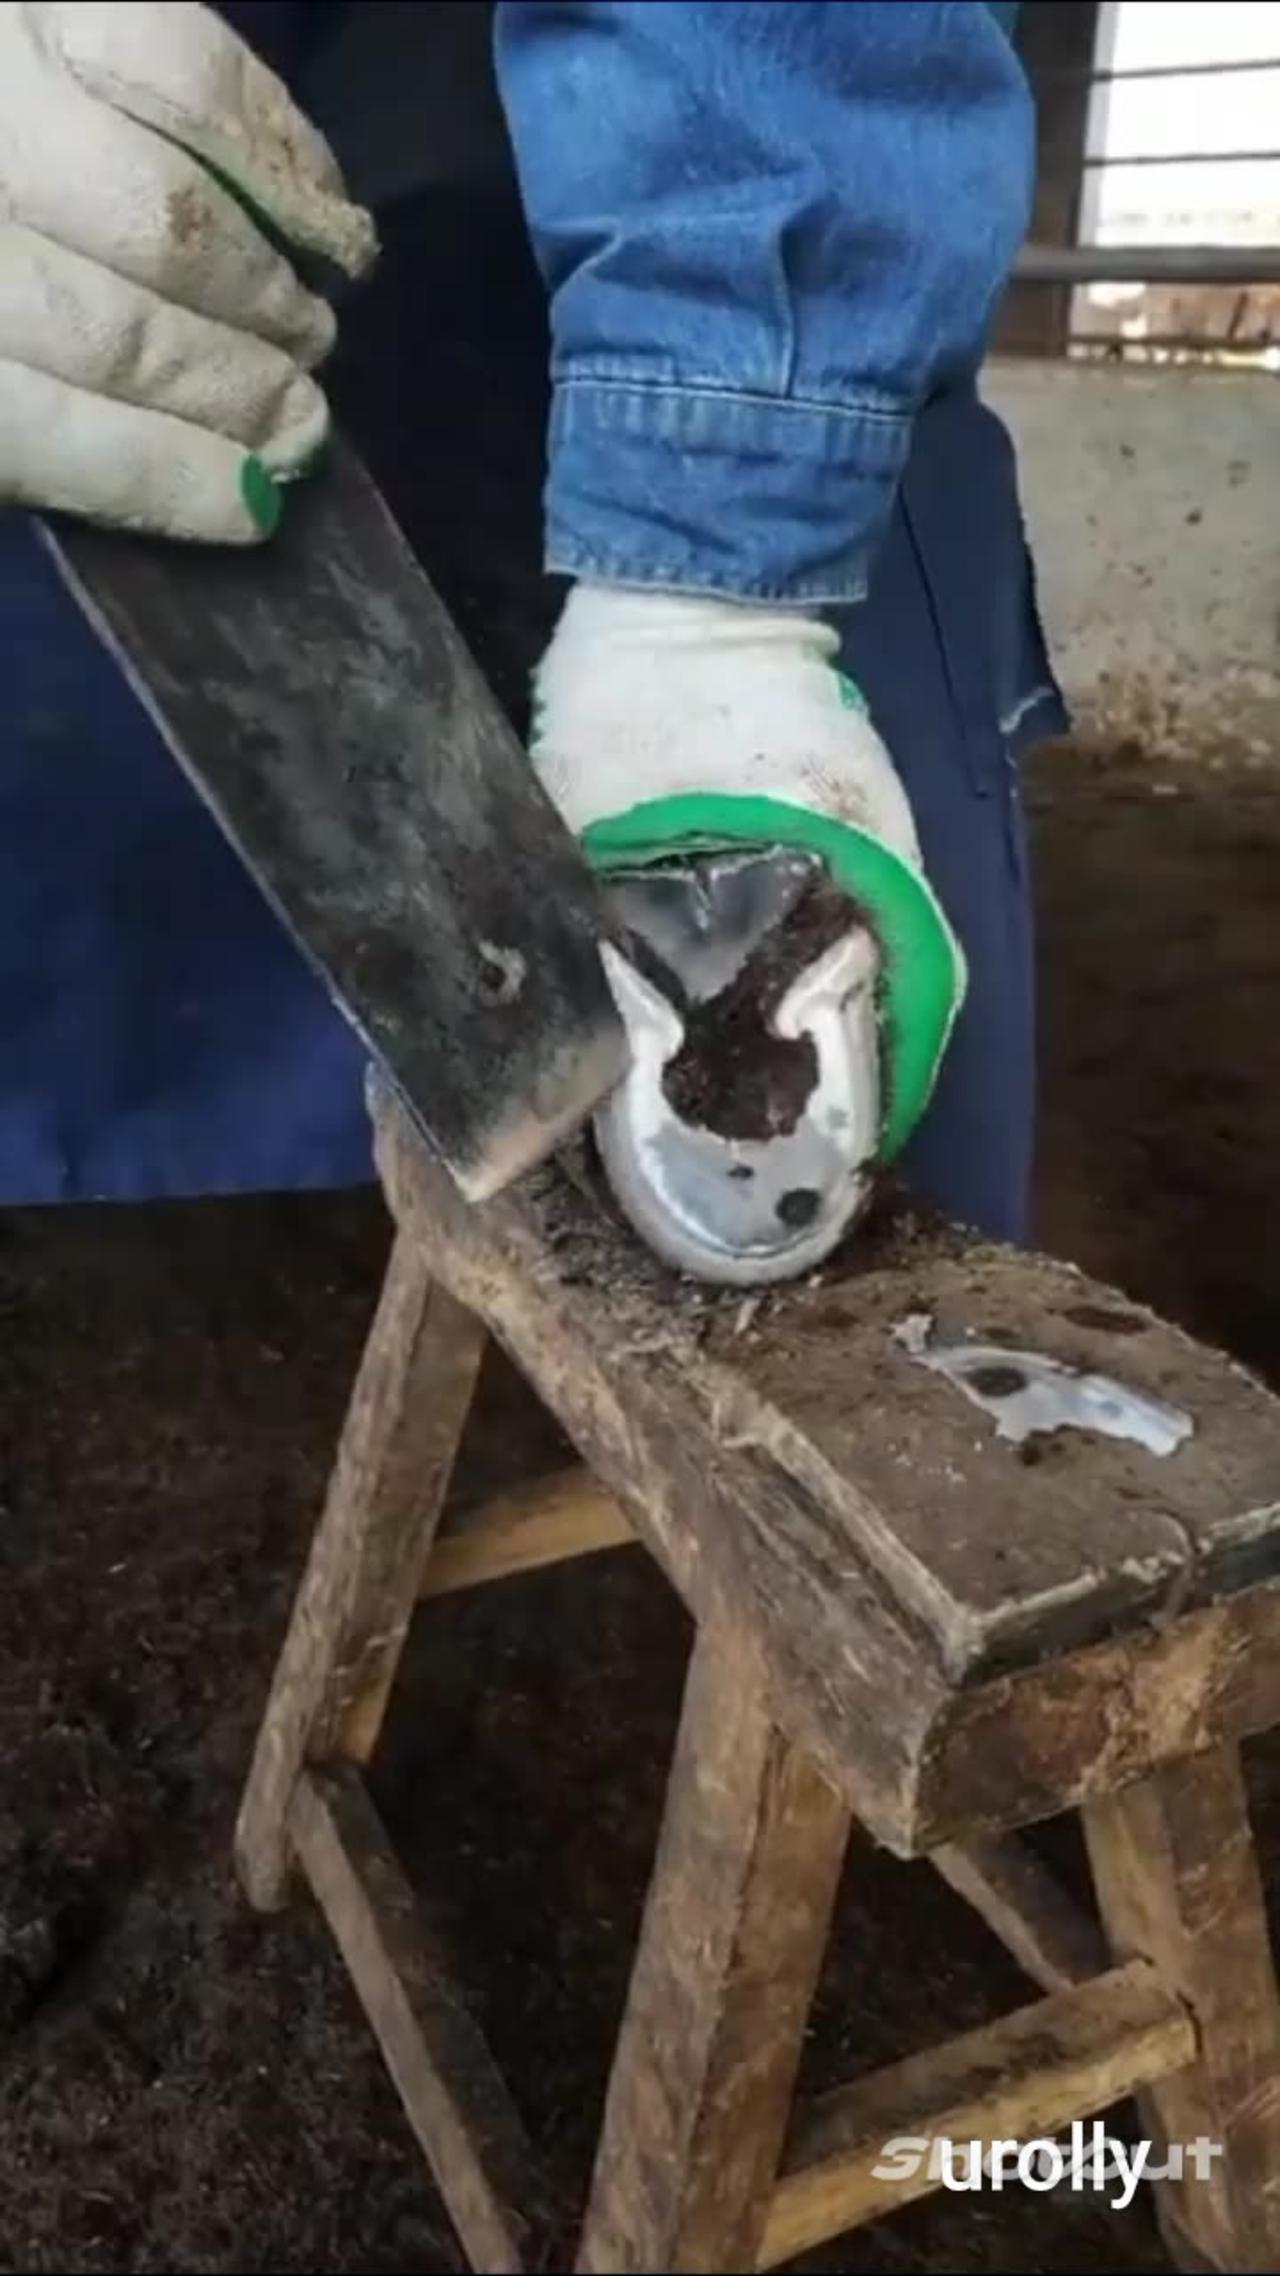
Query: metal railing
x,y
1148,264
1236,328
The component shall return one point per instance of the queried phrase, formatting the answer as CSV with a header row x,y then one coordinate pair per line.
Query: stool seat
x,y
902,1613
962,1636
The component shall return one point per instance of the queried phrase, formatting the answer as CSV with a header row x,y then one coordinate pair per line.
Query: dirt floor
x,y
184,2087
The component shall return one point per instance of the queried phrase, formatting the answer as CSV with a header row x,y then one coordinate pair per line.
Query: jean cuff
x,y
704,489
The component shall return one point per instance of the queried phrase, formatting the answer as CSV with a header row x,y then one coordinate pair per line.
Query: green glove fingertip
x,y
261,495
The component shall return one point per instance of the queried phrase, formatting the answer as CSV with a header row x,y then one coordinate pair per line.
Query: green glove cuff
x,y
923,969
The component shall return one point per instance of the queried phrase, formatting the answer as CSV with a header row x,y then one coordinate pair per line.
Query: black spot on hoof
x,y
798,1208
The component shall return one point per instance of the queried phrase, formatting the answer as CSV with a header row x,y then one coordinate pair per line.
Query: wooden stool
x,y
899,1615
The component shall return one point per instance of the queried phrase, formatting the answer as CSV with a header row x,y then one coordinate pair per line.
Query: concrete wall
x,y
1152,500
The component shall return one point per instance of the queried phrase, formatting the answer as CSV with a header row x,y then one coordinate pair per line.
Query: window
x,y
1182,152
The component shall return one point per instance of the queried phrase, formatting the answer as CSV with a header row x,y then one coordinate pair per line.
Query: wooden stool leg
x,y
1178,1882
353,1608
734,1928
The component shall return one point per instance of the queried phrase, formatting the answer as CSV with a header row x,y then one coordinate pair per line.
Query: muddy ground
x,y
186,2088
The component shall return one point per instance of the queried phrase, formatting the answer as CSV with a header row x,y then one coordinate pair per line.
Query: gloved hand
x,y
155,344
665,725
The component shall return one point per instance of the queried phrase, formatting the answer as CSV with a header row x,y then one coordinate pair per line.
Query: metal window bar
x,y
1148,264
1067,72
1182,158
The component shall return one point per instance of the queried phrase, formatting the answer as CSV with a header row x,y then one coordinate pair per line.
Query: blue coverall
x,y
772,239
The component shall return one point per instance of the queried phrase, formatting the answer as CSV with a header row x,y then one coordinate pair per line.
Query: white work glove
x,y
664,725
155,349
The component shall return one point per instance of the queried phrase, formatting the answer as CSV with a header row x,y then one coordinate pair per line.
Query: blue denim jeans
x,y
771,231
